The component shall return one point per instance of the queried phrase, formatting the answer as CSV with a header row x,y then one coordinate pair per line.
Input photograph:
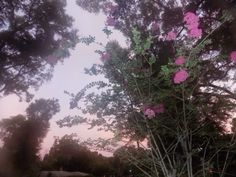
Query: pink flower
x,y
154,26
180,76
149,113
195,33
158,108
152,111
190,18
192,23
233,56
110,21
105,57
171,36
179,60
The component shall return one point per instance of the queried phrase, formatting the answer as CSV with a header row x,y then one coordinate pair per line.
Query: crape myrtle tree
x,y
173,85
22,136
34,36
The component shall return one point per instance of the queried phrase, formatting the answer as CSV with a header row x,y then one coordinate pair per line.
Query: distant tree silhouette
x,y
22,137
34,36
68,154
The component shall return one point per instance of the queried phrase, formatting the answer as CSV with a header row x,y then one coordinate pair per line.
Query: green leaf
x,y
147,43
107,31
165,69
152,60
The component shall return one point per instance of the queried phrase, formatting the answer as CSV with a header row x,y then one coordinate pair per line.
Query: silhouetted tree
x,y
68,154
34,36
22,137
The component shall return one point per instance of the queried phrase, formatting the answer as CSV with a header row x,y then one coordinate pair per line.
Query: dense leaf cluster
x,y
34,36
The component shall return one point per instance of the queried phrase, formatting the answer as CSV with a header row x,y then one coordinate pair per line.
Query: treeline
x,y
69,155
21,138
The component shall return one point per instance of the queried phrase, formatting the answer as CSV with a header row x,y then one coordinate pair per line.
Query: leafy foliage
x,y
68,154
34,36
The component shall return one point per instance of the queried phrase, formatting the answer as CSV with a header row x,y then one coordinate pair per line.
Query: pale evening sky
x,y
68,76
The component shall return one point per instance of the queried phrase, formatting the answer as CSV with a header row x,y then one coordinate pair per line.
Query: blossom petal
x,y
180,76
171,36
179,60
233,56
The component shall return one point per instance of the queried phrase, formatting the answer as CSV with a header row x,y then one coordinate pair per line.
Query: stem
x,y
187,140
226,158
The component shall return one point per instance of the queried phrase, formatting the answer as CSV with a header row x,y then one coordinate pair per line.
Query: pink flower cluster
x,y
180,76
171,36
233,56
110,8
192,23
179,60
105,57
151,111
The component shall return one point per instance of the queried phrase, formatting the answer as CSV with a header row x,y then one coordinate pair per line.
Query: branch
x,y
228,94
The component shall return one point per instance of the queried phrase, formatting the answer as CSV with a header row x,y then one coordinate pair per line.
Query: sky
x,y
69,76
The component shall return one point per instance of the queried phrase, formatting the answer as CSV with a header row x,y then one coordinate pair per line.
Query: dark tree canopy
x,y
34,36
22,137
68,154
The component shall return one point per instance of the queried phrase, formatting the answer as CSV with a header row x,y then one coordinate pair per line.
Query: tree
x,y
160,48
68,154
22,137
34,36
172,85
